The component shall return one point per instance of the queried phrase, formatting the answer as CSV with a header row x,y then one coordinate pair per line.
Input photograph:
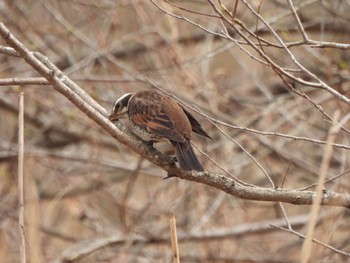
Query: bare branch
x,y
94,111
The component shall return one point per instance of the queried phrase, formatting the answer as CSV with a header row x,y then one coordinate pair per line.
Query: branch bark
x,y
93,110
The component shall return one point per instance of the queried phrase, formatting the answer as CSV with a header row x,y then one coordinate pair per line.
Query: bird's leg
x,y
172,159
150,143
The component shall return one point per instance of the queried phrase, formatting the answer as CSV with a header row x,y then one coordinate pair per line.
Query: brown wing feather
x,y
162,116
163,126
149,116
196,126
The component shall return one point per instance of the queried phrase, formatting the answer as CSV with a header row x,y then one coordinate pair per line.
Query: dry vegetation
x,y
267,90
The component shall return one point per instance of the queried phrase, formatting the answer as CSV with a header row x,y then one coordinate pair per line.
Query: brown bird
x,y
155,117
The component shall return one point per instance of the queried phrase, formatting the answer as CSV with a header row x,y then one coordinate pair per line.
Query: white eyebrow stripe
x,y
122,97
119,100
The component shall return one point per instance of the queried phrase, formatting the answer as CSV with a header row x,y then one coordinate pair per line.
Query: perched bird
x,y
155,117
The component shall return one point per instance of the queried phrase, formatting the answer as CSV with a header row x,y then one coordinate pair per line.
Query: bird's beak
x,y
112,117
117,115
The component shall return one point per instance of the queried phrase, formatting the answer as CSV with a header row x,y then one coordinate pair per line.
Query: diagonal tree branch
x,y
97,113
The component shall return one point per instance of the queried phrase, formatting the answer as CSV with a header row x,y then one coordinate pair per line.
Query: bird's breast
x,y
143,133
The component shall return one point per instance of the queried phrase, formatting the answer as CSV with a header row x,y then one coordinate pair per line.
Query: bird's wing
x,y
196,126
156,121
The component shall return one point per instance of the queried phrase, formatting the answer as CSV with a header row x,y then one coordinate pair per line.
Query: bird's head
x,y
120,108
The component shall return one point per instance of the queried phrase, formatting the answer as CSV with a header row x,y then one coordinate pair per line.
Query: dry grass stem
x,y
20,178
264,85
174,241
320,190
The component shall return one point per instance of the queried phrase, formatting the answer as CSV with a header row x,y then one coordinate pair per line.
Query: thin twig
x,y
8,51
97,113
326,181
313,240
318,84
300,26
84,249
23,81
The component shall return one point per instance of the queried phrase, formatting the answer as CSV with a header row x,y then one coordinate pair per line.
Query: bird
x,y
155,117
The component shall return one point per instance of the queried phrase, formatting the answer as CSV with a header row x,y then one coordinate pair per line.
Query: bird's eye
x,y
117,107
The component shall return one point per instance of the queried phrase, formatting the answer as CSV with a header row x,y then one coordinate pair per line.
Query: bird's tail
x,y
186,156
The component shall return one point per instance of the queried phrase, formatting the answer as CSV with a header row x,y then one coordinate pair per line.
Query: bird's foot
x,y
150,143
172,159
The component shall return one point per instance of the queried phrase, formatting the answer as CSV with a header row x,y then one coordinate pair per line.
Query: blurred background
x,y
90,199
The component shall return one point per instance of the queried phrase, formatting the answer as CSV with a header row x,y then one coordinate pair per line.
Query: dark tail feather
x,y
186,156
